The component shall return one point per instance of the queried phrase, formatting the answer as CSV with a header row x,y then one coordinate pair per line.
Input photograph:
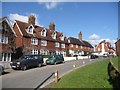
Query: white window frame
x,y
44,52
30,31
43,43
76,46
81,47
71,45
57,44
68,41
34,51
3,39
43,32
62,37
54,35
62,45
34,41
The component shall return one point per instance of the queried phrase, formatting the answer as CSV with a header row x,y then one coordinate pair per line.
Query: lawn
x,y
91,76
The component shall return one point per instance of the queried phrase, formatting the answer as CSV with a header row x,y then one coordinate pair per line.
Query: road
x,y
39,77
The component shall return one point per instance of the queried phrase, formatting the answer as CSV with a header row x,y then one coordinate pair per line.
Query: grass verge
x,y
91,76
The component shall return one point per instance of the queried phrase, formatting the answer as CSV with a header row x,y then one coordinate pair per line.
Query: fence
x,y
114,76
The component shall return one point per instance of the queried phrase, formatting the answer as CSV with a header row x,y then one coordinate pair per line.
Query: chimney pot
x,y
52,26
31,19
80,36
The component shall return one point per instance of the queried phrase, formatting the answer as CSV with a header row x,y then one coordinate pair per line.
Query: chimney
x,y
52,26
31,20
80,36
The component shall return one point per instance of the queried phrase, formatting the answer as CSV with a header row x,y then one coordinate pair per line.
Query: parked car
x,y
105,55
92,56
1,70
54,59
27,61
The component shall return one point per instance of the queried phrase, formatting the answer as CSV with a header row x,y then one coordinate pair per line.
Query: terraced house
x,y
33,39
7,40
79,46
28,38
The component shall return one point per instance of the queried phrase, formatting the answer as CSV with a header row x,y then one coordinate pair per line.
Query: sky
x,y
96,20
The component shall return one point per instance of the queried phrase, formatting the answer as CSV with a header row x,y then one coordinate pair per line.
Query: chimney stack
x,y
31,20
52,26
80,36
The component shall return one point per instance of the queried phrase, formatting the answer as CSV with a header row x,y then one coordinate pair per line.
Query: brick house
x,y
79,46
33,39
105,47
7,40
118,47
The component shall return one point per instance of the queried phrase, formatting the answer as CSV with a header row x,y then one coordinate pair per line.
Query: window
x,y
81,47
57,44
71,45
34,51
54,35
68,41
76,46
3,39
30,29
62,37
62,45
98,49
34,41
44,52
43,32
43,43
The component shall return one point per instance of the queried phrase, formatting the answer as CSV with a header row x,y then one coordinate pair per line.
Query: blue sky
x,y
96,20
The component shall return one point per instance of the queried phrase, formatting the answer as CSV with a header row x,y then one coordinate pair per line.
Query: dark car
x,y
1,70
54,59
27,61
92,56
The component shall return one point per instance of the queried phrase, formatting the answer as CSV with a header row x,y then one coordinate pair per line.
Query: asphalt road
x,y
39,77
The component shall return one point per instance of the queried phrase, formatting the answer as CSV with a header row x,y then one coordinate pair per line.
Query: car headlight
x,y
18,62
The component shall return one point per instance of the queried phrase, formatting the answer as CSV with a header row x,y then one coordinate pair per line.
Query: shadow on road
x,y
44,81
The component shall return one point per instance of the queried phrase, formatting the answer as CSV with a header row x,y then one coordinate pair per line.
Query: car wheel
x,y
39,65
24,68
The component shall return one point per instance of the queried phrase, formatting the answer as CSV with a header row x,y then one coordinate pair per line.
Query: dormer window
x,y
62,37
30,29
54,35
43,32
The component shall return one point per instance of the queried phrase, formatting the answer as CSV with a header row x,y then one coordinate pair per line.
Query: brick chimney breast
x,y
80,36
31,20
52,26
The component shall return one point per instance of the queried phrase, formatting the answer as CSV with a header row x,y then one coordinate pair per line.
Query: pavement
x,y
39,77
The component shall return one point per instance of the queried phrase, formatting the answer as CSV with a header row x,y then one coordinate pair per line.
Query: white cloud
x,y
16,16
94,37
23,18
95,40
50,5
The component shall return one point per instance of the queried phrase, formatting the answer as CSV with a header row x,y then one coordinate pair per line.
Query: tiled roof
x,y
37,32
87,44
78,42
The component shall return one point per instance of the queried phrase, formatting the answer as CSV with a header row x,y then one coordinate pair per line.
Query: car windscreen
x,y
26,57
